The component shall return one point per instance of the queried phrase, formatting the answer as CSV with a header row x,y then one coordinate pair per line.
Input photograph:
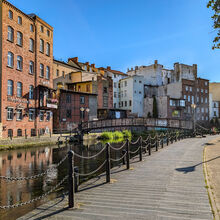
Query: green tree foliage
x,y
215,6
155,110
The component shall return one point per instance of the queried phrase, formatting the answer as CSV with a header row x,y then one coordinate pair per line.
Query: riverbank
x,y
16,143
212,175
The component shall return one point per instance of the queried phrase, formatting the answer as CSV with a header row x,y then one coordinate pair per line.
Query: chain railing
x,y
127,149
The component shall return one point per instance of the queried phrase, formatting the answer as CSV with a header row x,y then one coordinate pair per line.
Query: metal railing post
x,y
167,139
71,182
149,148
156,143
140,150
162,142
76,178
123,153
108,165
127,155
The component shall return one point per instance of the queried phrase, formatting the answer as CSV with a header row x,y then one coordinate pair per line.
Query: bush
x,y
127,134
106,135
117,135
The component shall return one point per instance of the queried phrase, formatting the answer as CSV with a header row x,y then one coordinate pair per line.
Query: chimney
x,y
136,67
155,62
131,68
93,65
74,59
128,69
87,63
108,68
195,70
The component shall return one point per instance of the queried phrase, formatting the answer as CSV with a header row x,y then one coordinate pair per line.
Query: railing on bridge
x,y
147,122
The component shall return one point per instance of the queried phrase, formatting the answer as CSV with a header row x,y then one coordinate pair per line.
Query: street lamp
x,y
194,116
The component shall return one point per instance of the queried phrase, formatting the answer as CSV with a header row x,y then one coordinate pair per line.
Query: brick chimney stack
x,y
74,59
93,65
108,68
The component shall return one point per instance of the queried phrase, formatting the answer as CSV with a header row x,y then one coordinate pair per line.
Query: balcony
x,y
48,103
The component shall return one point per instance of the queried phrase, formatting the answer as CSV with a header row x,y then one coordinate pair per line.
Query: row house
x,y
26,60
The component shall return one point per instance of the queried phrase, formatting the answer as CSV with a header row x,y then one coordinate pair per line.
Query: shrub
x,y
117,135
127,134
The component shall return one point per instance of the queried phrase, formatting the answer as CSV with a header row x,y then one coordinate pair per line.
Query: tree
x,y
215,6
155,111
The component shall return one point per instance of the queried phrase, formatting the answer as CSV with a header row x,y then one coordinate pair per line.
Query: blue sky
x,y
126,33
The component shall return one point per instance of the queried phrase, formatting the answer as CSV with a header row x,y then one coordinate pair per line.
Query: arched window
x,y
41,70
19,132
10,34
31,92
41,45
19,38
19,20
31,48
10,14
48,49
31,67
19,62
19,89
10,59
47,72
10,87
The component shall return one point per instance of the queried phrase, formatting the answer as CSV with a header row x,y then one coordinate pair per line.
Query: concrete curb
x,y
209,191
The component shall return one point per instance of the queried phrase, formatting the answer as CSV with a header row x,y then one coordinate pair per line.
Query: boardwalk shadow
x,y
189,169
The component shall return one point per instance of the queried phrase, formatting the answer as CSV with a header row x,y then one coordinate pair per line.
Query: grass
x,y
117,135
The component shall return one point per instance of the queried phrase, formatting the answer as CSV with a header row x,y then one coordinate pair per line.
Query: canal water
x,y
32,161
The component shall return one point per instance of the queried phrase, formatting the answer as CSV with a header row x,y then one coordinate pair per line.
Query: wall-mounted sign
x,y
16,100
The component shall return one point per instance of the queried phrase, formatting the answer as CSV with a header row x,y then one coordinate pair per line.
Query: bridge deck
x,y
167,185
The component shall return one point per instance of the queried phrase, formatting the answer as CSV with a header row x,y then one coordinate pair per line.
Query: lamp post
x,y
88,110
194,116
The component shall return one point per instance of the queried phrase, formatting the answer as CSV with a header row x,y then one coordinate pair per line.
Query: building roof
x,y
66,64
79,82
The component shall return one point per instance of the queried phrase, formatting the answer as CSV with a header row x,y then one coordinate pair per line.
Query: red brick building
x,y
74,107
26,59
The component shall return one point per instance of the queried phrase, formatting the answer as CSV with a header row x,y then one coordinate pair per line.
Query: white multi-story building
x,y
131,94
116,77
213,107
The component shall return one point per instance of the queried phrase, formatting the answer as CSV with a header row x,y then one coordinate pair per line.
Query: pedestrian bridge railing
x,y
127,151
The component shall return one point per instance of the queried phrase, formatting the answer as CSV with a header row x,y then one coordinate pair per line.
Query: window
x,y
122,104
206,83
115,76
47,72
19,115
10,87
31,27
19,89
10,114
188,98
215,105
10,59
190,89
139,92
125,93
197,89
19,20
115,105
207,110
115,85
207,118
182,103
19,63
63,73
68,113
115,94
184,97
41,70
57,73
33,132
198,110
125,103
19,134
48,33
202,118
206,91
31,48
10,34
31,92
130,102
82,99
197,99
82,114
68,98
201,99
47,116
41,28
31,67
105,101
189,109
187,88
202,110
10,14
48,49
41,116
87,88
105,89
206,100
31,114
126,83
140,81
192,99
215,113
201,90
19,38
41,45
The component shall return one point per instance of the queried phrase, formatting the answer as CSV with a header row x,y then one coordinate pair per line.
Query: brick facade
x,y
16,103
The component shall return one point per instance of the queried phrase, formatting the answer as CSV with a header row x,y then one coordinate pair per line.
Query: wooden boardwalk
x,y
167,185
